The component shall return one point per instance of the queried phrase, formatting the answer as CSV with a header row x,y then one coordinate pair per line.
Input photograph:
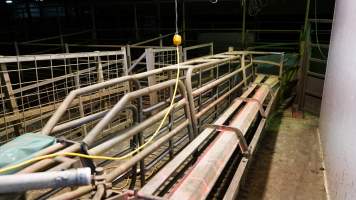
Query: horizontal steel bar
x,y
63,56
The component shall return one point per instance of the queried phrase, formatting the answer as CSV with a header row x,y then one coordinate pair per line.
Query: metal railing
x,y
207,87
32,87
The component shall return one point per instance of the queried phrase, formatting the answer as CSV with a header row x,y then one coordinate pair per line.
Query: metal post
x,y
306,17
136,23
160,40
150,64
128,58
61,39
243,32
243,66
184,21
126,62
100,70
93,21
212,49
81,106
12,97
16,45
66,46
181,57
158,5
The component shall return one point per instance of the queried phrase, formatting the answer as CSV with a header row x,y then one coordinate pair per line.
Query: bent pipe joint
x,y
242,141
260,105
189,89
118,107
47,129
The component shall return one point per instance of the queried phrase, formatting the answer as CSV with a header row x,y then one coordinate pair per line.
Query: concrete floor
x,y
287,164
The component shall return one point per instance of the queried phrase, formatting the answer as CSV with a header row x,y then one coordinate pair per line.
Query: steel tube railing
x,y
187,101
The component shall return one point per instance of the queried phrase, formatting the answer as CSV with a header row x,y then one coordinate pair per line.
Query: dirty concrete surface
x,y
288,163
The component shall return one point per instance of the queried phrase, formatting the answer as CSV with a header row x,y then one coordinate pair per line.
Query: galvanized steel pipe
x,y
43,180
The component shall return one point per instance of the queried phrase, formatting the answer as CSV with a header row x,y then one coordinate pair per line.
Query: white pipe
x,y
43,180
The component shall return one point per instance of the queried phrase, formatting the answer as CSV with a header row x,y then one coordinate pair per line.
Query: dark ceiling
x,y
114,21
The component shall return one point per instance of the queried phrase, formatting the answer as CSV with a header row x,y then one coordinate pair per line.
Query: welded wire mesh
x,y
32,87
163,58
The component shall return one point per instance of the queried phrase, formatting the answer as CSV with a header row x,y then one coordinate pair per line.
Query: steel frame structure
x,y
207,87
27,104
32,87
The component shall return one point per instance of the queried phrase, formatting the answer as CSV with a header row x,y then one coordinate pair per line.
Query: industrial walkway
x,y
288,162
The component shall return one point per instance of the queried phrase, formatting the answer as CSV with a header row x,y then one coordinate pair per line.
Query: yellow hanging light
x,y
177,39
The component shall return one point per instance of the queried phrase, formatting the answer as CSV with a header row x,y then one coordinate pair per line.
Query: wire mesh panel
x,y
32,87
159,58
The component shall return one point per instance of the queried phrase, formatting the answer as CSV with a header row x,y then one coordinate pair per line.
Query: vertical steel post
x,y
160,40
212,48
306,17
136,23
243,67
243,32
184,22
128,58
16,45
150,64
81,106
12,98
158,7
93,21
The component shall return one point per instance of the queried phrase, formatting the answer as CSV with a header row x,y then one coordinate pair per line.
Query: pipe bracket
x,y
242,141
260,104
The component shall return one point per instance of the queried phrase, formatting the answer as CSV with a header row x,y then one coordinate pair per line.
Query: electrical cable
x,y
127,182
316,31
99,157
176,12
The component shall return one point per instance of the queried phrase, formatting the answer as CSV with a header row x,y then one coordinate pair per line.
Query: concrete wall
x,y
338,114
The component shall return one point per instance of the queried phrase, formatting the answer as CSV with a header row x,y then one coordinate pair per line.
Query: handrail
x,y
203,64
90,138
75,93
25,58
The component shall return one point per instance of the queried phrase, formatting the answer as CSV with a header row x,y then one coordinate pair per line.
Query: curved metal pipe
x,y
125,166
108,144
81,91
118,107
